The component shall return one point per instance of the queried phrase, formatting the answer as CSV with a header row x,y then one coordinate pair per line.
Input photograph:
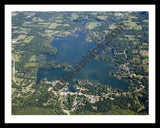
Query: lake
x,y
70,49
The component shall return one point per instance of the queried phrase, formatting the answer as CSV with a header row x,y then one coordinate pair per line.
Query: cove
x,y
69,51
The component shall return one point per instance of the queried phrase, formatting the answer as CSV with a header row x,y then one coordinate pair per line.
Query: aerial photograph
x,y
80,63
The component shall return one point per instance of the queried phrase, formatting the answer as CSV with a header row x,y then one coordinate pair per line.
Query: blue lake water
x,y
70,51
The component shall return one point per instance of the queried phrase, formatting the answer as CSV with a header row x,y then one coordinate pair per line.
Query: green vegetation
x,y
91,25
33,31
69,101
28,39
35,111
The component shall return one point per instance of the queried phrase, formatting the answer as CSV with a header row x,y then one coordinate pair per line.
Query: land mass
x,y
32,33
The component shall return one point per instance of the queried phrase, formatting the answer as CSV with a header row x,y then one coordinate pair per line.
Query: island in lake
x,y
45,45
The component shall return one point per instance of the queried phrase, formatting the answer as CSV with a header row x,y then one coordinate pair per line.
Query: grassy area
x,y
66,33
134,25
14,13
17,57
145,61
44,23
37,19
31,65
53,26
28,39
33,58
19,38
35,111
74,17
144,52
94,13
59,21
102,17
91,25
13,90
112,26
19,80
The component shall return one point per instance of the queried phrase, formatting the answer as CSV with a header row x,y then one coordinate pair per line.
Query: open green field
x,y
28,39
